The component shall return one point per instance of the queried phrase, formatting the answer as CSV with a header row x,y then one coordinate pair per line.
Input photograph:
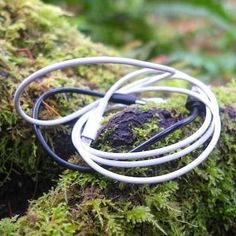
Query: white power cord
x,y
85,129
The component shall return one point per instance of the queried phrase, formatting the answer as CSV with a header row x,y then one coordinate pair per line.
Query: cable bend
x,y
146,79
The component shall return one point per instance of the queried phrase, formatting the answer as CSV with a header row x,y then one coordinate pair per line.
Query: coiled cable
x,y
40,137
117,98
88,123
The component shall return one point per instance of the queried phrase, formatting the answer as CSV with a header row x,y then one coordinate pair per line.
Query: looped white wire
x,y
85,129
72,63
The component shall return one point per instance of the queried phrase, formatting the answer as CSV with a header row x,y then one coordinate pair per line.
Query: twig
x,y
51,109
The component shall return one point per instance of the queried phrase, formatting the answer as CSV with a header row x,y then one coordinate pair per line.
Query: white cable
x,y
85,129
72,63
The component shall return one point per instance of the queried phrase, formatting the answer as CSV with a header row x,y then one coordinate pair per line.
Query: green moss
x,y
203,202
8,226
50,220
226,95
34,35
199,203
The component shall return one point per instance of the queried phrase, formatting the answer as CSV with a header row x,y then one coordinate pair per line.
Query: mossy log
x,y
203,202
33,35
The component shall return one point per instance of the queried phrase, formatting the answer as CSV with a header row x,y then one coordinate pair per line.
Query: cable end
x,y
193,102
92,126
86,141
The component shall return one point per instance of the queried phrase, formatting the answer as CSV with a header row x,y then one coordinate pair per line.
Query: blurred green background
x,y
198,36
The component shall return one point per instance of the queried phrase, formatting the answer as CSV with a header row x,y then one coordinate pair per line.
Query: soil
x,y
16,193
123,123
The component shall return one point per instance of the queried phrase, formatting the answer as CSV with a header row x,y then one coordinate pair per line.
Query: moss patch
x,y
34,35
199,203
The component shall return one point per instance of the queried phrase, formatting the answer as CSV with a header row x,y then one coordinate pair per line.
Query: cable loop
x,y
90,116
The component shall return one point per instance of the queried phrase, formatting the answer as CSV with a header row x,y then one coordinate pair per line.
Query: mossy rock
x,y
202,202
33,35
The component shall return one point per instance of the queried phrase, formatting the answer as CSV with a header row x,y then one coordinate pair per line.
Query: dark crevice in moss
x,y
20,188
59,140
